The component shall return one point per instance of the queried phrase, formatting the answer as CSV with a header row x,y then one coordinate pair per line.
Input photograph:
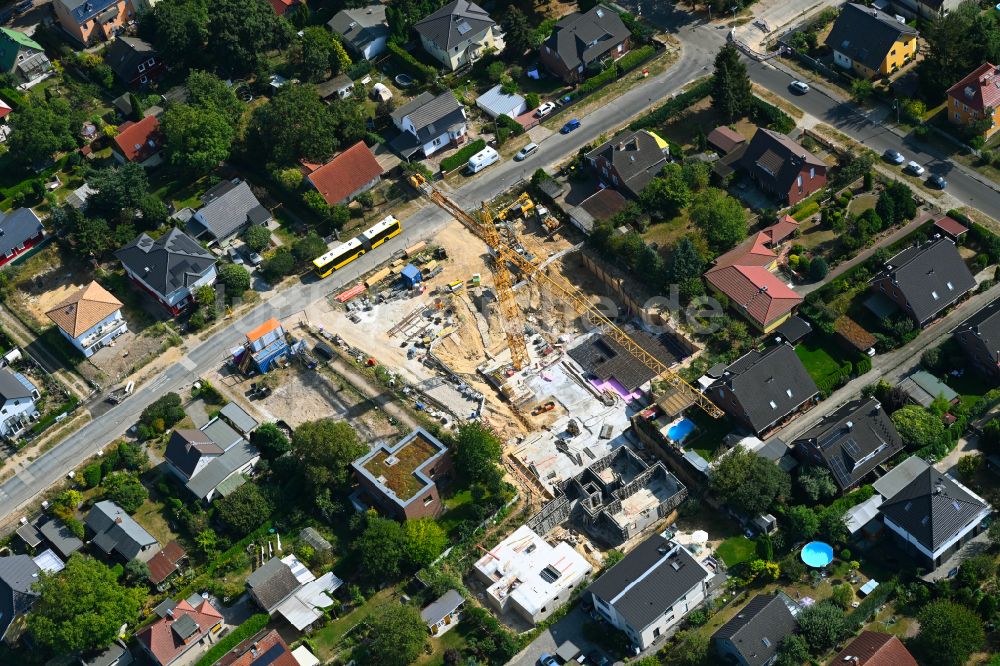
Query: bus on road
x,y
382,231
338,257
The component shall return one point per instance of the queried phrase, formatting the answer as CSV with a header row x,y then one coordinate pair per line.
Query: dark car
x,y
937,181
324,351
598,658
570,126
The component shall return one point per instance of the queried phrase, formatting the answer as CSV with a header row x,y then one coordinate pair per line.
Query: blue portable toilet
x,y
411,276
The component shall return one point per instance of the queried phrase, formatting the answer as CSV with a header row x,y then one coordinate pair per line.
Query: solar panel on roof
x,y
463,28
271,656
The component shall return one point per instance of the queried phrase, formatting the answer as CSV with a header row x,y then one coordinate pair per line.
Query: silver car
x,y
914,168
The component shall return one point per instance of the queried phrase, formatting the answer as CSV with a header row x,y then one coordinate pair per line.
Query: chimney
x,y
939,488
850,425
621,145
118,520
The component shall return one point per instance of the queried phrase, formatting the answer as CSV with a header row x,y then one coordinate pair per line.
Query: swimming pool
x,y
817,554
680,429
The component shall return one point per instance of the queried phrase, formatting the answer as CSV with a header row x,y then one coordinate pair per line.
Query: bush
x,y
598,80
805,209
92,475
515,127
663,113
771,116
634,58
209,394
460,158
257,238
411,65
532,100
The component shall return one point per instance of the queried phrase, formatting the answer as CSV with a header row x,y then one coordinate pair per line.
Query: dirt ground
x,y
44,282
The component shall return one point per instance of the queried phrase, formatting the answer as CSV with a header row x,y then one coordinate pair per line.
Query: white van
x,y
483,159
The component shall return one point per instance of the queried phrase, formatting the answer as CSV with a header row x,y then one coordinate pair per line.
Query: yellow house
x,y
871,42
976,99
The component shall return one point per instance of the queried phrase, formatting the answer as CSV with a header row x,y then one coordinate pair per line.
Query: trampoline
x,y
817,554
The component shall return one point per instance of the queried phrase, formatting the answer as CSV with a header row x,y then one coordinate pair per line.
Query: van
x,y
524,152
483,159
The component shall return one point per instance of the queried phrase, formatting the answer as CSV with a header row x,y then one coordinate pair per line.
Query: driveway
x,y
570,628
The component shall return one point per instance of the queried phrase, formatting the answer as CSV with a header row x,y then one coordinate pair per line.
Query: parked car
x,y
235,256
545,109
524,152
598,658
914,168
255,258
799,87
547,660
937,181
893,156
570,126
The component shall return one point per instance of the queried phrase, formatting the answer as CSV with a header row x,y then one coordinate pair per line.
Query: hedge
x,y
862,365
763,113
461,157
414,67
805,210
359,69
515,127
634,58
860,615
671,108
599,80
836,379
253,624
14,98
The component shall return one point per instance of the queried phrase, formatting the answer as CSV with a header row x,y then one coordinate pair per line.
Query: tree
x,y
257,237
90,236
270,440
822,626
861,90
402,14
207,541
325,448
749,483
818,268
166,409
517,31
207,91
307,248
666,195
801,522
949,634
690,648
136,571
993,533
119,192
953,45
198,139
816,483
720,217
42,128
340,61
383,545
424,541
793,651
312,54
244,509
685,261
125,490
969,465
842,595
917,426
178,30
397,635
280,264
234,278
242,32
477,452
82,607
732,95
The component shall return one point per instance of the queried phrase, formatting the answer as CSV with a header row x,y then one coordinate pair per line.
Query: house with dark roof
x,y
166,563
210,462
115,532
184,628
284,586
429,123
764,389
579,43
650,590
975,100
364,29
139,142
629,161
170,268
870,41
725,140
601,205
339,87
227,209
347,175
20,230
979,336
850,442
90,319
89,21
926,279
18,574
17,403
459,33
116,654
933,515
752,636
872,648
22,56
60,538
134,61
781,167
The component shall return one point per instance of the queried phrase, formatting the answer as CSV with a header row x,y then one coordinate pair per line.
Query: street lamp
x,y
895,105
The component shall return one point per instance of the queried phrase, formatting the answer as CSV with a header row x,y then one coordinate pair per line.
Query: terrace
x,y
397,468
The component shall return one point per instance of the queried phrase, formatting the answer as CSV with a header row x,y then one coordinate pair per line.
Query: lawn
x,y
460,508
736,550
707,437
821,356
329,637
454,639
150,516
668,232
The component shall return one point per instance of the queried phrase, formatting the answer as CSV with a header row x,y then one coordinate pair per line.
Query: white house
x,y
210,462
363,29
429,123
90,319
170,268
17,408
495,103
459,33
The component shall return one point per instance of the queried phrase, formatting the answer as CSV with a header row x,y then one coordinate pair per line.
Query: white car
x,y
524,152
799,87
914,168
545,109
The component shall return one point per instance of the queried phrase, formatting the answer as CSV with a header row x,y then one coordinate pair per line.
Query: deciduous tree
x,y
242,32
270,440
949,634
477,451
42,128
324,449
234,278
720,217
125,490
244,509
822,625
749,483
424,541
397,636
917,426
198,139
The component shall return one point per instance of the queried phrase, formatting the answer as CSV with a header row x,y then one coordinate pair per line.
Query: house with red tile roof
x,y
347,175
182,628
4,109
872,648
166,563
139,142
976,99
282,7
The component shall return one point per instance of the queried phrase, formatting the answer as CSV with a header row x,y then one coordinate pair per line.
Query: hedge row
x,y
413,67
516,128
862,365
836,379
253,624
629,61
461,157
860,615
764,113
671,108
806,210
14,98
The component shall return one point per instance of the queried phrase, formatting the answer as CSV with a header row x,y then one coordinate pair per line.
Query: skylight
x,y
951,287
788,392
773,405
935,295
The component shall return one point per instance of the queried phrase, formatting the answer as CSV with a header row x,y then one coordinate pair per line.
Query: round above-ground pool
x,y
817,554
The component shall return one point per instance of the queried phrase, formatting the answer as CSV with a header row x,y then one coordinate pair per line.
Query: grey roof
x,y
759,379
931,276
899,476
167,604
793,329
984,327
312,537
774,158
84,10
603,357
16,227
584,38
115,655
229,207
758,628
431,114
187,446
17,575
116,531
60,537
442,606
774,449
865,34
217,471
932,508
331,86
30,535
853,440
185,627
171,262
125,54
272,583
453,24
636,156
360,27
649,580
238,417
12,388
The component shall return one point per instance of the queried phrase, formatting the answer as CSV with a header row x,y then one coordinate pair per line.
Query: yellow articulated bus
x,y
382,231
338,257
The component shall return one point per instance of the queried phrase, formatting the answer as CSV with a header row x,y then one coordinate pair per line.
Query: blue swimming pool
x,y
817,554
679,430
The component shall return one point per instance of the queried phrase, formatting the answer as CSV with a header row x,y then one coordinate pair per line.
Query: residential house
x,y
139,142
339,87
871,42
601,205
17,403
90,319
20,230
284,7
5,110
170,268
134,61
530,577
210,462
59,537
116,654
979,336
363,30
495,103
933,515
22,56
459,33
444,613
265,648
850,442
725,140
579,43
650,590
347,175
975,100
89,21
872,648
781,167
629,161
227,209
284,586
115,532
764,389
752,636
18,574
402,479
185,627
166,563
429,123
925,279
265,346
